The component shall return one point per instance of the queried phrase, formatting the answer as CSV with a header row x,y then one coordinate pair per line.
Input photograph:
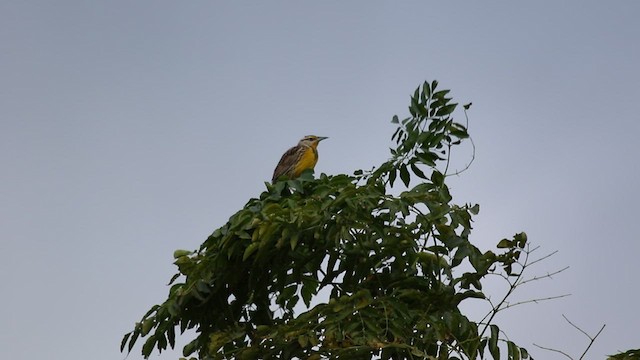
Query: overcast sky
x,y
131,129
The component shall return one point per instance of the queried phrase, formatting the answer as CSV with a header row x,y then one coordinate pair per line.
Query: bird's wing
x,y
286,164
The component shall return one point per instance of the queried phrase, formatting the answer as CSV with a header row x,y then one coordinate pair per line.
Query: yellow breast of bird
x,y
308,160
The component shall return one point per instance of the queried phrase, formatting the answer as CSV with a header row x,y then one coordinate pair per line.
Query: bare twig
x,y
473,152
592,339
542,258
548,275
554,350
534,301
473,158
574,325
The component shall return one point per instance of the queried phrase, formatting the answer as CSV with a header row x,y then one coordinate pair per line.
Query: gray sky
x,y
131,129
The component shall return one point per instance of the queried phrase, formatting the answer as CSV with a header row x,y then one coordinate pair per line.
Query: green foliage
x,y
396,264
627,355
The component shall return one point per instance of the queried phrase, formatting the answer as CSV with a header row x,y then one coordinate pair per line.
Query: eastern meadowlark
x,y
299,158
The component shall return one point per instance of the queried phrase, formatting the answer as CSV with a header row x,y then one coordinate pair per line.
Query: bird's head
x,y
311,140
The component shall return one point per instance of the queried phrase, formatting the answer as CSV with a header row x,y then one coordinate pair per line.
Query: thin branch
x,y
592,339
575,326
535,301
503,304
542,258
512,288
473,149
465,115
548,275
473,158
591,342
446,168
554,350
522,303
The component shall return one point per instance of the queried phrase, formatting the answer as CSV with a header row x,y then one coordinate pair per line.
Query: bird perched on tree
x,y
299,158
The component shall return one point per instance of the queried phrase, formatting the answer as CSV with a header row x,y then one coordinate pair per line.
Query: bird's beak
x,y
320,138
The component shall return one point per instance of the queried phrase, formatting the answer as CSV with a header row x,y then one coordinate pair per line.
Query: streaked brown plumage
x,y
299,158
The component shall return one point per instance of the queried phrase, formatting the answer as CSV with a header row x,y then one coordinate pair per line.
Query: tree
x,y
394,257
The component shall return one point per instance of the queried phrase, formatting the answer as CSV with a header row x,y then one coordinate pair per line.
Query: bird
x,y
299,158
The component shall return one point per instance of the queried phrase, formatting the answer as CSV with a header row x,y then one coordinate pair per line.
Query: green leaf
x,y
124,341
505,244
467,106
147,325
422,110
427,158
520,239
303,340
133,339
288,292
483,344
180,253
446,110
426,89
395,119
392,176
174,278
440,95
459,297
418,172
253,247
173,308
190,348
396,134
294,240
458,131
437,178
493,342
203,287
404,175
309,289
147,348
514,352
161,341
217,340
